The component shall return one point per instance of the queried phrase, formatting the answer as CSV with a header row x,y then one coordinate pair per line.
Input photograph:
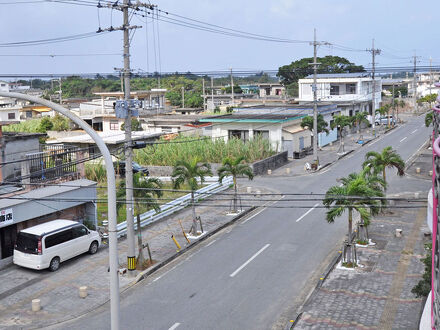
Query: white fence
x,y
176,205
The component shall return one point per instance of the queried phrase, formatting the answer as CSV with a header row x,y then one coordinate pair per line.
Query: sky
x,y
400,28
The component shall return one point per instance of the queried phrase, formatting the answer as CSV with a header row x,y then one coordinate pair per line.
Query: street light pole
x,y
111,198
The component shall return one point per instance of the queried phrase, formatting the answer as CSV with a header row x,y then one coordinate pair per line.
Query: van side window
x,y
58,238
79,231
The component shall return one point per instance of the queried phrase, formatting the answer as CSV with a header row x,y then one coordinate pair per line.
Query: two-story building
x,y
352,92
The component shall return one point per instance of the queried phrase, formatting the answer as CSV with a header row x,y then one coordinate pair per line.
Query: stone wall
x,y
167,170
260,167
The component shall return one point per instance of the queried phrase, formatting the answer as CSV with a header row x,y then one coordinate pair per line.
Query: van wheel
x,y
93,247
54,264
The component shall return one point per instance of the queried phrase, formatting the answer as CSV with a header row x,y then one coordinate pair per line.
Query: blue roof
x,y
341,75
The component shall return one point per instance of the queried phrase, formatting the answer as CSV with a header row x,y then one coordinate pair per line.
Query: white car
x,y
49,244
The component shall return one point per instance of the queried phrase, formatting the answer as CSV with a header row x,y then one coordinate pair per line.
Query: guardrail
x,y
175,205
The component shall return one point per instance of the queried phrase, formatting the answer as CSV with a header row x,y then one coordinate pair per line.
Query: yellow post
x,y
184,234
175,242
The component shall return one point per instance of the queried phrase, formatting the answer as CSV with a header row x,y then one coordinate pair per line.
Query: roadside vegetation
x,y
206,150
40,125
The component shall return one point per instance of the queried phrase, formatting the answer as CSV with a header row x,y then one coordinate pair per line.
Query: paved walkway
x,y
378,295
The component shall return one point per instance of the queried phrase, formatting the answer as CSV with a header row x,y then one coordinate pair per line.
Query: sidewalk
x,y
377,295
59,291
329,154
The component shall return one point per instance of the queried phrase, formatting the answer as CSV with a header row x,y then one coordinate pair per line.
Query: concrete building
x,y
280,125
352,92
266,90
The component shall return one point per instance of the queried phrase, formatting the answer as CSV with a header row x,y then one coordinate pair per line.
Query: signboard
x,y
6,217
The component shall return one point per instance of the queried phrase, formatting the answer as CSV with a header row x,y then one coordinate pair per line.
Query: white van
x,y
49,244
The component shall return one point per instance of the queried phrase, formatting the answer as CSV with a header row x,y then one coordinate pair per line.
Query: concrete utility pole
x,y
374,52
203,88
315,97
232,89
212,92
60,91
183,97
415,83
431,80
131,254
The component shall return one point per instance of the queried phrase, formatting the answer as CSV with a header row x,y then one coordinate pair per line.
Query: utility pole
x,y
232,89
374,52
60,91
203,88
212,92
315,97
415,82
430,75
183,97
394,107
131,254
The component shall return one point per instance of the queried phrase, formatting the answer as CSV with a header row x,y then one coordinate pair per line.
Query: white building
x,y
351,91
9,110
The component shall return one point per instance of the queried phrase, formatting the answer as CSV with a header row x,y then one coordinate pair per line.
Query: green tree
x,y
355,194
378,162
135,125
145,192
235,167
430,98
341,121
189,173
237,89
429,117
359,119
291,73
60,123
307,122
45,125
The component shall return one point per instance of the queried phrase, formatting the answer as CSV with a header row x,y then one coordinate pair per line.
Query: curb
x,y
327,272
144,274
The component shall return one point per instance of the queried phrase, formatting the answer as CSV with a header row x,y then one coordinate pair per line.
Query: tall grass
x,y
207,150
96,172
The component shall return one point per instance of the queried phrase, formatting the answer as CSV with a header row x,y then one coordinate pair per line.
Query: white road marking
x,y
175,325
301,217
414,131
403,139
249,260
211,243
253,216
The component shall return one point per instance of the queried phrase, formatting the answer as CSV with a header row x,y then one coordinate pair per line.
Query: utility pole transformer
x,y
374,52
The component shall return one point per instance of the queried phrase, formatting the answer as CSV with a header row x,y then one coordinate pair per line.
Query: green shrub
x,y
423,288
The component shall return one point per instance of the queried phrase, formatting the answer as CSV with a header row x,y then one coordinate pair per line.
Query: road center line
x,y
175,325
414,131
211,243
403,139
253,216
249,260
301,217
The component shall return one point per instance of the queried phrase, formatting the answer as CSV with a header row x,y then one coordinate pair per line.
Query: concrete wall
x,y
168,170
270,163
4,114
16,149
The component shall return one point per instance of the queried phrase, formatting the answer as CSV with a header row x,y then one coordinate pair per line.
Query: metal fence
x,y
176,205
52,162
435,284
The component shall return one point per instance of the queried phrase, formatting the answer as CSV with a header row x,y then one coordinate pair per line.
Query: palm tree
x,y
378,162
145,192
429,117
360,118
189,172
234,167
355,194
341,121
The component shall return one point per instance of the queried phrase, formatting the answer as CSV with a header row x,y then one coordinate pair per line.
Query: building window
x,y
114,125
262,134
334,89
3,85
11,115
350,88
242,135
28,114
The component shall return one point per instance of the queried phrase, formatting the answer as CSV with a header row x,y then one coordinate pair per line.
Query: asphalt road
x,y
248,276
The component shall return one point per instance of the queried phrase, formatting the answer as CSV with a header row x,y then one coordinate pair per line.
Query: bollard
x,y
175,242
249,190
418,170
430,173
36,305
83,291
288,170
416,195
398,232
269,172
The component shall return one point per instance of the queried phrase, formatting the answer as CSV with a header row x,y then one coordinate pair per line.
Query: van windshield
x,y
27,243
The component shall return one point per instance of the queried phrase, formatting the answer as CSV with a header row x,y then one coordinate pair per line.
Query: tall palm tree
x,y
429,117
341,121
235,167
189,173
378,162
355,194
361,118
145,192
